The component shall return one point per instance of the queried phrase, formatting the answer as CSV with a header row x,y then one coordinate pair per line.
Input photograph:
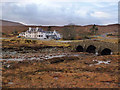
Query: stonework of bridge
x,y
95,46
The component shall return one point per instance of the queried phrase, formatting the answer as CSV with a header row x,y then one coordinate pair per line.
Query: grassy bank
x,y
21,42
77,72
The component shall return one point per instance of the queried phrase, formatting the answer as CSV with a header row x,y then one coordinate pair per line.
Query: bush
x,y
27,41
69,33
34,41
3,33
15,32
85,37
109,35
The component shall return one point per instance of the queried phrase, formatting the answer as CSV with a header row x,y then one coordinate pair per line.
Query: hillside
x,y
8,27
10,23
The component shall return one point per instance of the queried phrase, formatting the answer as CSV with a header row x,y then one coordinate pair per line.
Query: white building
x,y
38,33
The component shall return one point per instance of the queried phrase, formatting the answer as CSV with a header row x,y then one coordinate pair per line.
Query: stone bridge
x,y
95,46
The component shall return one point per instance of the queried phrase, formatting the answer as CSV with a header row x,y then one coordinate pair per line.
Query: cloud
x,y
60,0
101,14
60,13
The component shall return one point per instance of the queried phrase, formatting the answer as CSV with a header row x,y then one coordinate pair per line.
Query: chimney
x,y
37,28
30,28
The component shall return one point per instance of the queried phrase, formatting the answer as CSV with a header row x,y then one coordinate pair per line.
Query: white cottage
x,y
38,33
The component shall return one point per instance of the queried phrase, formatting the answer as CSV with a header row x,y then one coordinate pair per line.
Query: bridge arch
x,y
98,47
79,48
91,49
106,51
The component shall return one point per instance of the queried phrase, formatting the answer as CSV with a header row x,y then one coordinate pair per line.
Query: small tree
x,y
3,33
49,28
94,29
15,32
69,32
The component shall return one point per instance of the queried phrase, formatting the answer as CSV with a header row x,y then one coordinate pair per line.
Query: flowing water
x,y
15,56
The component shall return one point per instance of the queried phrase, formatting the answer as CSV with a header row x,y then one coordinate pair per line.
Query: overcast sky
x,y
44,12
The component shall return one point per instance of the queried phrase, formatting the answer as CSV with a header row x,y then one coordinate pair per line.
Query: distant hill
x,y
8,27
9,23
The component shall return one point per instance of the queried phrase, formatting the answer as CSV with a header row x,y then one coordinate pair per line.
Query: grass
x,y
111,40
75,73
17,42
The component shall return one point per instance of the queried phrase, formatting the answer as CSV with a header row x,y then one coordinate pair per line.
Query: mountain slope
x,y
10,23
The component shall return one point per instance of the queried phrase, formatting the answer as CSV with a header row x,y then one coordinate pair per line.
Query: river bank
x,y
59,70
51,64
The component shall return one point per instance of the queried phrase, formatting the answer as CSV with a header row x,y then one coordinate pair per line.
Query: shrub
x,y
85,37
27,41
3,33
69,33
109,35
15,32
34,41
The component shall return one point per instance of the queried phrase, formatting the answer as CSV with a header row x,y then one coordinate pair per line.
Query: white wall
x,y
42,34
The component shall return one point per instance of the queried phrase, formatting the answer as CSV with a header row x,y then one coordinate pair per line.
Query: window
x,y
40,35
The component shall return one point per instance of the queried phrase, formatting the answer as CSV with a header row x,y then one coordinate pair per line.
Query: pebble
x,y
10,82
7,66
